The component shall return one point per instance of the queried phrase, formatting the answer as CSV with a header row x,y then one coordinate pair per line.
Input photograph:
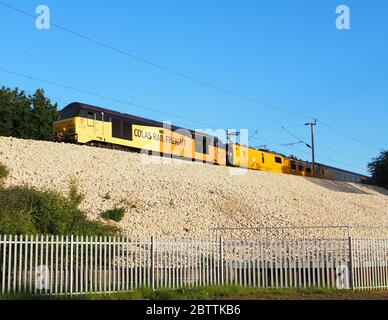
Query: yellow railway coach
x,y
97,126
264,160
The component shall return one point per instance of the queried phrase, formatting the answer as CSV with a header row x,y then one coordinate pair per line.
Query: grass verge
x,y
219,293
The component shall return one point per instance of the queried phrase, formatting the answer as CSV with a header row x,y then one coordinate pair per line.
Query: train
x,y
95,126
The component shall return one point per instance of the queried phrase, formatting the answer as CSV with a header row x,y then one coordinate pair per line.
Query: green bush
x,y
75,196
4,172
116,214
26,210
379,170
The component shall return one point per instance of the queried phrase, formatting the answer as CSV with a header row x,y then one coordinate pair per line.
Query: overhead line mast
x,y
312,125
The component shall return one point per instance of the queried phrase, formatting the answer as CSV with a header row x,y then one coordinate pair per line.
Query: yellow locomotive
x,y
91,125
97,126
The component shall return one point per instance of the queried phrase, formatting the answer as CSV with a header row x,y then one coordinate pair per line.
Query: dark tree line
x,y
379,170
26,116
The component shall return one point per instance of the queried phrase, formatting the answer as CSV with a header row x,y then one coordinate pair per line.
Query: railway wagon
x,y
265,160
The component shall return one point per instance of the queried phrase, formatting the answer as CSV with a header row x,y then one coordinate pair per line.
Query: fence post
x,y
351,263
152,263
71,264
221,264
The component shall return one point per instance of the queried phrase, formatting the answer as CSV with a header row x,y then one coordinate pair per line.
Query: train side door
x,y
99,125
91,119
95,125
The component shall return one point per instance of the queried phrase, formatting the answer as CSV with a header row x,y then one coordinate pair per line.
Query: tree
x,y
43,114
25,116
14,110
379,170
294,157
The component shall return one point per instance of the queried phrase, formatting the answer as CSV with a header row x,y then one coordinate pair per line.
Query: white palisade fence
x,y
79,265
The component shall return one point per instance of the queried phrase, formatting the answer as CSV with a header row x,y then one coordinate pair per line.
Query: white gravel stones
x,y
173,197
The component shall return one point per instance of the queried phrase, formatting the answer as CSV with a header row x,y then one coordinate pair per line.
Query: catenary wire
x,y
188,77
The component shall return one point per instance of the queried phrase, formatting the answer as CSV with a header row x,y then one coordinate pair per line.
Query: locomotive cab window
x,y
68,113
278,160
90,118
106,117
85,113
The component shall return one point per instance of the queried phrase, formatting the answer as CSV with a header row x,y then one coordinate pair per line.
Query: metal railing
x,y
305,232
80,265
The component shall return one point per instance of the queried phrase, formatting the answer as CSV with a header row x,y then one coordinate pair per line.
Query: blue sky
x,y
285,53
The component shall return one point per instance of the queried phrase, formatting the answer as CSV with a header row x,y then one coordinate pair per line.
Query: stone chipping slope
x,y
180,198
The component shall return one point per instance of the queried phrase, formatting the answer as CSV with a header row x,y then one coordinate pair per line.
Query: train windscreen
x,y
68,112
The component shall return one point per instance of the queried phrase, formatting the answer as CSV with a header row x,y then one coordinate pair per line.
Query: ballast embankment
x,y
180,198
